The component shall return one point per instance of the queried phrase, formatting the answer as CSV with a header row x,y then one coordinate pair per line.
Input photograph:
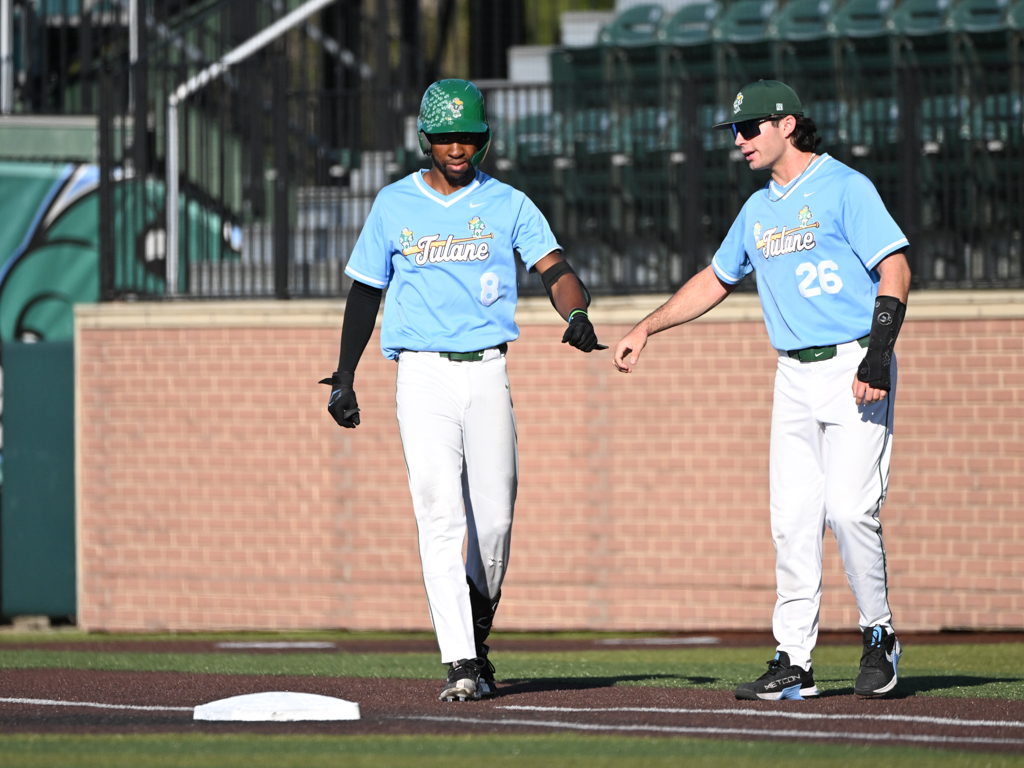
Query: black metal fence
x,y
281,158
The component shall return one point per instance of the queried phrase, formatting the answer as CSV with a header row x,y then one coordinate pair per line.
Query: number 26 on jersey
x,y
819,278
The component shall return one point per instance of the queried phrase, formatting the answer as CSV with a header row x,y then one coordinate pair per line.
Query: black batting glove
x,y
580,333
342,405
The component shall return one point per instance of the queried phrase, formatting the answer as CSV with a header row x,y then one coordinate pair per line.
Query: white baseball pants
x,y
459,436
829,466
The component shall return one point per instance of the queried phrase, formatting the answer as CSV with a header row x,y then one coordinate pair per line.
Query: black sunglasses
x,y
750,129
476,139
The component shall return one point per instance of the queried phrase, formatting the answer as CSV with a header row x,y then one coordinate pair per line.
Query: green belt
x,y
472,357
815,354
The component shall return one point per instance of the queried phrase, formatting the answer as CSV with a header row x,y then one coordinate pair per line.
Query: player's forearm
x,y
699,294
567,295
360,318
894,276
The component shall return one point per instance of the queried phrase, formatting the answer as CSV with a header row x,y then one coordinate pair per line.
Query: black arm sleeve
x,y
360,317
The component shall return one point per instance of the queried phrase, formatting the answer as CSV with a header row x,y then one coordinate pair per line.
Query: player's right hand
x,y
630,347
580,333
342,404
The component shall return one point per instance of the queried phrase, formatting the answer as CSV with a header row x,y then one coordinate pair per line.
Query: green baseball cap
x,y
765,98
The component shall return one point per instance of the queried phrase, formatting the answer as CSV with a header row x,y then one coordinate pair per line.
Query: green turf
x,y
991,671
525,751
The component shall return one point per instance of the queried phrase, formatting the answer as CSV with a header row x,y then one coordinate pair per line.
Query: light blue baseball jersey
x,y
814,245
448,262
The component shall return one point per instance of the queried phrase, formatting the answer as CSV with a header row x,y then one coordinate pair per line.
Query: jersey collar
x,y
783,192
450,200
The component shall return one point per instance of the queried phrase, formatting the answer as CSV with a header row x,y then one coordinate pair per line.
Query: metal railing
x,y
279,168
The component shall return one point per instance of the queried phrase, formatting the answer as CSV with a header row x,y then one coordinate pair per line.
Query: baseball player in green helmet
x,y
454,106
444,243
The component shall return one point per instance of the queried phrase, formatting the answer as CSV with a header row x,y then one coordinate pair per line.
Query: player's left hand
x,y
872,382
580,333
865,394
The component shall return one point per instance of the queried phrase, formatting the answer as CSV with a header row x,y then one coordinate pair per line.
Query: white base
x,y
277,707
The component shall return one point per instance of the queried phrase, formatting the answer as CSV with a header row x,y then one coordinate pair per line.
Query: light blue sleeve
x,y
532,235
370,261
730,262
866,223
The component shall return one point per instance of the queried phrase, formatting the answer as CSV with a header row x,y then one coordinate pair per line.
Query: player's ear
x,y
788,125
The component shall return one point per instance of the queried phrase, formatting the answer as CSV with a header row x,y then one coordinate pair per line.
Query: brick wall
x,y
214,491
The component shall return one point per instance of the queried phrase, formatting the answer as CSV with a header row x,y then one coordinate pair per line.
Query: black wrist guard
x,y
885,327
550,277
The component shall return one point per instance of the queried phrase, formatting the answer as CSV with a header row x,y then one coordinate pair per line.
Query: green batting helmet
x,y
453,106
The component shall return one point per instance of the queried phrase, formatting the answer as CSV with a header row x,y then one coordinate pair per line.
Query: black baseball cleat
x,y
463,681
878,663
485,683
782,681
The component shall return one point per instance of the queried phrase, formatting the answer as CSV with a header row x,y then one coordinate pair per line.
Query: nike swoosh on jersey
x,y
808,194
476,205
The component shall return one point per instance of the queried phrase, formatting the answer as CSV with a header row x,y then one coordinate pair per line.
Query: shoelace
x,y
774,665
874,654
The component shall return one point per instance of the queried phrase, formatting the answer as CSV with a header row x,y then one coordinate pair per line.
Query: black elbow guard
x,y
550,277
885,327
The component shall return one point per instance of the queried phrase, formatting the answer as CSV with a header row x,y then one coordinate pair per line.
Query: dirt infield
x,y
79,701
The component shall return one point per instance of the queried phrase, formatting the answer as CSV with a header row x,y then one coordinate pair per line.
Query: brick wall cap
x,y
532,310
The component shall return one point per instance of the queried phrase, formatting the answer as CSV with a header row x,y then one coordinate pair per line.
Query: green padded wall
x,y
37,518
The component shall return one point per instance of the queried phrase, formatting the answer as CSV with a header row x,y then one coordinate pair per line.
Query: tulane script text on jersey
x,y
779,242
430,248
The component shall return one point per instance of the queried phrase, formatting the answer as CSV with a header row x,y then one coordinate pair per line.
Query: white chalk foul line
x,y
792,715
93,704
279,644
694,731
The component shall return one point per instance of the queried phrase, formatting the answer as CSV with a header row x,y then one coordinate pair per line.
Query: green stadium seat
x,y
596,131
1015,18
801,20
980,15
635,26
802,51
921,17
745,22
687,49
690,25
579,77
533,136
650,129
862,18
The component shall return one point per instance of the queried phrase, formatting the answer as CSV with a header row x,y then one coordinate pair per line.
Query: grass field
x,y
241,751
988,671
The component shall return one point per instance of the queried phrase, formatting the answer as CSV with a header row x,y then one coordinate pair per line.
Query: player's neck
x,y
792,163
441,184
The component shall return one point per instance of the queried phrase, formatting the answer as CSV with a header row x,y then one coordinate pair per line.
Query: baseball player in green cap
x,y
444,243
833,281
